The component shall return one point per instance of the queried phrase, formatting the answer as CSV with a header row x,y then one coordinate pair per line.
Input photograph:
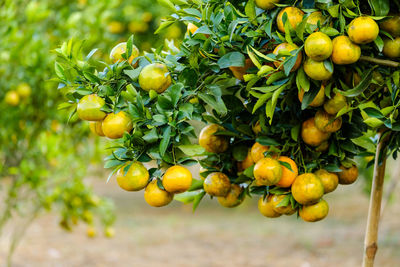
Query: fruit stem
x,y
383,62
374,212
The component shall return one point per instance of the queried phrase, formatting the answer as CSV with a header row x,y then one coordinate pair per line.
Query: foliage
x,y
205,88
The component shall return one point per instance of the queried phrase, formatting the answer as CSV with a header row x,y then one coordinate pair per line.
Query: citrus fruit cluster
x,y
287,98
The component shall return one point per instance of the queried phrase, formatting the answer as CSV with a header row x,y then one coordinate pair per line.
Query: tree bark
x,y
374,213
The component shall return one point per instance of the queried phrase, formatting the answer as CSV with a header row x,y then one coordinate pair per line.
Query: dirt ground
x,y
213,236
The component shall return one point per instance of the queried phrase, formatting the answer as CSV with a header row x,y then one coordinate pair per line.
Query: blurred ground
x,y
213,236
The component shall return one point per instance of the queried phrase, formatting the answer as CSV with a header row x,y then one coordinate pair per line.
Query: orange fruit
x,y
266,208
232,199
257,151
91,232
314,212
217,184
115,27
96,127
24,90
345,51
318,46
12,98
177,179
266,4
115,125
391,26
348,175
239,72
311,135
288,176
326,122
155,77
294,16
317,101
391,48
213,143
335,104
256,128
276,200
329,180
316,70
155,196
268,171
120,49
287,47
246,163
135,179
191,28
89,108
307,189
316,17
363,30
109,232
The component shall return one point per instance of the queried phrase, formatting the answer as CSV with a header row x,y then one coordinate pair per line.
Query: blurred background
x,y
56,208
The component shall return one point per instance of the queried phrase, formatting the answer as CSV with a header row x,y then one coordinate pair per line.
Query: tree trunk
x,y
374,213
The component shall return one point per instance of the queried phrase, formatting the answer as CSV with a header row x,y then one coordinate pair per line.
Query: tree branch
x,y
383,62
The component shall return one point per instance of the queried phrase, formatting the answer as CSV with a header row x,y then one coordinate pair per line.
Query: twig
x,y
383,62
374,212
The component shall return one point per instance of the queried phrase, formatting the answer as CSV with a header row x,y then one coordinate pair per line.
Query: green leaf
x,y
197,200
192,150
250,10
151,136
267,141
302,80
362,86
380,7
165,140
232,59
196,185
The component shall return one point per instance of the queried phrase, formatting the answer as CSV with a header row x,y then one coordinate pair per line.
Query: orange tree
x,y
292,92
41,167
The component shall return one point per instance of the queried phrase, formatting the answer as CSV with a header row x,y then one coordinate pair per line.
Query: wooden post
x,y
374,213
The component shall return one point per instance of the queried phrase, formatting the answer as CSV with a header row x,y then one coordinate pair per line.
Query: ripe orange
x,y
12,98
217,184
266,208
363,30
335,104
109,232
266,4
239,72
391,48
288,176
177,179
311,135
391,25
213,143
91,232
247,162
135,179
326,122
307,189
155,77
96,127
118,50
316,70
318,46
24,90
317,101
155,196
191,28
329,180
276,200
115,125
257,151
348,175
232,199
345,51
89,108
294,15
314,212
287,47
268,171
